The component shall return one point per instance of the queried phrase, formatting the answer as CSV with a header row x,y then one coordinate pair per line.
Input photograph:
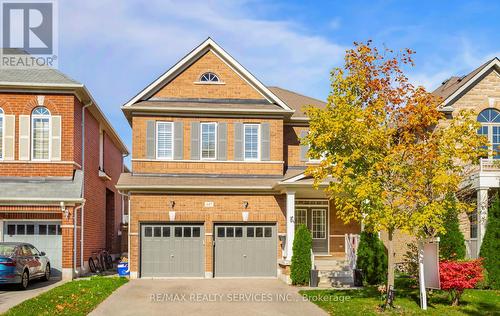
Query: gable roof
x,y
50,79
297,101
208,45
452,87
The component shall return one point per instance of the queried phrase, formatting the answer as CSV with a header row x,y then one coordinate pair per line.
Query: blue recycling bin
x,y
123,269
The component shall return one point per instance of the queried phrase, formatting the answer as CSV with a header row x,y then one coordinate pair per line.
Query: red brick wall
x,y
275,166
190,208
95,188
69,108
23,104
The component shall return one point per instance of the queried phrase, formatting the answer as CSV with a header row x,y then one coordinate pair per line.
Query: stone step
x,y
330,265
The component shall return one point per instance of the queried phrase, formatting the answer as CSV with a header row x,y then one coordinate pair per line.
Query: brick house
x,y
217,183
478,91
57,179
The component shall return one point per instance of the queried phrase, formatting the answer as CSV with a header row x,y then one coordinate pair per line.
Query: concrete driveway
x,y
207,297
10,296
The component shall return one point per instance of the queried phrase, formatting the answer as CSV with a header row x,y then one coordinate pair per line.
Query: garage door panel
x,y
245,250
169,250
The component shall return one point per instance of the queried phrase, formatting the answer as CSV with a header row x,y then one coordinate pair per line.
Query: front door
x,y
316,219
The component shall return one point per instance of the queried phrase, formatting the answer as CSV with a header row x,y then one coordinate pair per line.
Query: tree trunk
x,y
390,265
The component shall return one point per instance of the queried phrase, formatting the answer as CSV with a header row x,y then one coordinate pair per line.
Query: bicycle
x,y
100,261
94,263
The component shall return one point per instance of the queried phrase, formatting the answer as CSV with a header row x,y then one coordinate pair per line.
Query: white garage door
x,y
45,236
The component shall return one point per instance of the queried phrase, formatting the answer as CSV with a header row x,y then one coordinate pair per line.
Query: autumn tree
x,y
391,154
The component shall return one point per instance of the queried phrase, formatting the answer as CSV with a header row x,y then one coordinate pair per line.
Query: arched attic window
x,y
209,77
490,127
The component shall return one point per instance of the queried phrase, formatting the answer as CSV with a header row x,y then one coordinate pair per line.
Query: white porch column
x,y
482,215
290,223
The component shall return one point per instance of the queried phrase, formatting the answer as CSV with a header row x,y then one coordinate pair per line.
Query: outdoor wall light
x,y
64,210
245,204
172,204
292,220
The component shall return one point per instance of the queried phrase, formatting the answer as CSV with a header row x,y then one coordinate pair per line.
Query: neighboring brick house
x,y
217,182
478,91
52,171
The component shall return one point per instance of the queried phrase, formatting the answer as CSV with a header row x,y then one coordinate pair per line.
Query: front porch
x,y
334,243
485,180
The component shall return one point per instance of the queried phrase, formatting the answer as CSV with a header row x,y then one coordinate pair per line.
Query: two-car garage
x,y
179,250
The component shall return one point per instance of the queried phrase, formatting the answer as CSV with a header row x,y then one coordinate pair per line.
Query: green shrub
x,y
301,259
372,258
452,242
489,248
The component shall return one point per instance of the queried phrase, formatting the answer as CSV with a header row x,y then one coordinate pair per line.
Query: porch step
x,y
334,265
337,274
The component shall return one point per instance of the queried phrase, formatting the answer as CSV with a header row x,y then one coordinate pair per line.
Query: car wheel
x,y
46,276
25,280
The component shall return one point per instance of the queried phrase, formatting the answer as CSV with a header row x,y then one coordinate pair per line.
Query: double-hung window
x,y
208,140
251,141
164,140
1,133
40,131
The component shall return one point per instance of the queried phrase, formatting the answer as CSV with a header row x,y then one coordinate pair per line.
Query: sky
x,y
117,48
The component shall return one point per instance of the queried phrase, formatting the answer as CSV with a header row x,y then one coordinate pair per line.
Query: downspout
x,y
128,225
75,232
83,183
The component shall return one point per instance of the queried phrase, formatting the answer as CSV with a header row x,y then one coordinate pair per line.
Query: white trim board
x,y
494,62
209,45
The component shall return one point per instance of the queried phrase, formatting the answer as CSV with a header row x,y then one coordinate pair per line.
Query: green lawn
x,y
73,298
366,302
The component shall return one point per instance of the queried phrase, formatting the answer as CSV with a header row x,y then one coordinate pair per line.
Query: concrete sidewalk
x,y
207,297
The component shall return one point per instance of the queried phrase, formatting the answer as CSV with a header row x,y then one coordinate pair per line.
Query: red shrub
x,y
456,276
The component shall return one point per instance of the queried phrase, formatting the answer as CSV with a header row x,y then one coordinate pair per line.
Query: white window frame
x,y
156,140
300,210
101,148
201,140
324,212
219,81
2,142
32,139
258,142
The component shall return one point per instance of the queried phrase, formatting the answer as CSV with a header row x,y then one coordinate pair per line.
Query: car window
x,y
34,251
26,251
7,250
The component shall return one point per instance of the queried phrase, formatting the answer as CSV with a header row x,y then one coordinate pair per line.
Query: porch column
x,y
290,223
482,215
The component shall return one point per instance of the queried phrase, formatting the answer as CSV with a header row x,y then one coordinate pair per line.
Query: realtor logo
x,y
28,34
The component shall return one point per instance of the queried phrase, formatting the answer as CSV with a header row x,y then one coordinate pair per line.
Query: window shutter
x,y
195,140
238,141
178,140
150,140
56,138
265,142
10,131
222,141
24,137
303,148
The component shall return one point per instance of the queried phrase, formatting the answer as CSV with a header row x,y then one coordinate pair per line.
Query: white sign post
x,y
428,268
